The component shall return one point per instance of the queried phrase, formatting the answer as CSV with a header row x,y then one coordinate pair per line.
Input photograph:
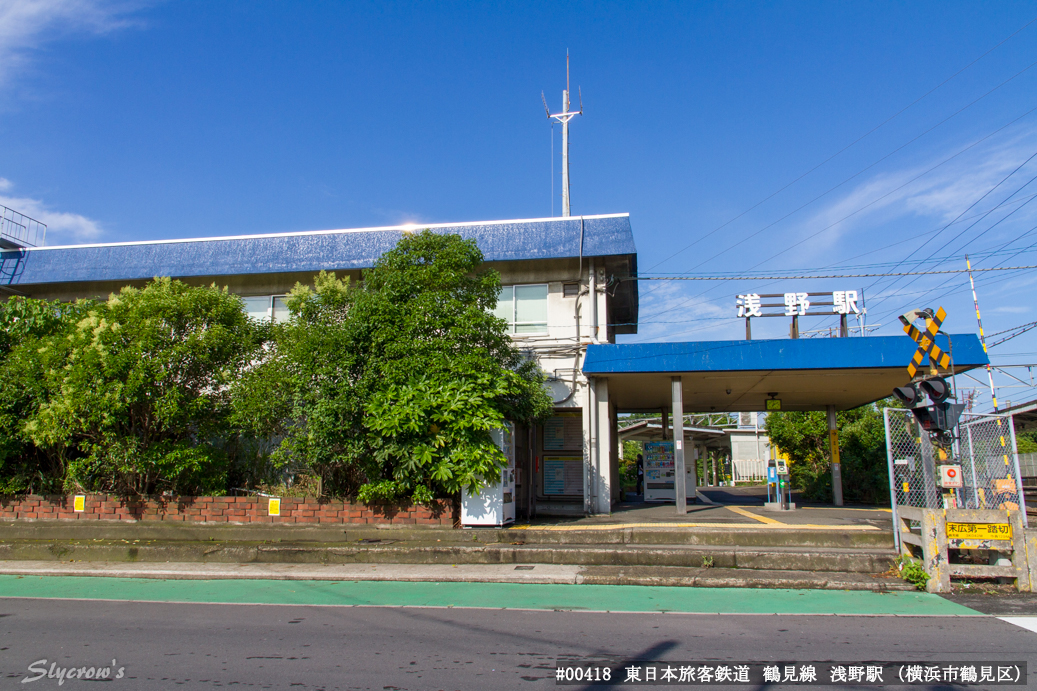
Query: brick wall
x,y
221,510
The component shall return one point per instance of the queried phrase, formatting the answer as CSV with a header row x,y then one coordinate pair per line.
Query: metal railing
x,y
749,470
19,230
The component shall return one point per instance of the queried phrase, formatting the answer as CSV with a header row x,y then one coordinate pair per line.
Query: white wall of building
x,y
574,322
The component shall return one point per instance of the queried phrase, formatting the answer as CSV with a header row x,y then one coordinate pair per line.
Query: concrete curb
x,y
466,573
447,573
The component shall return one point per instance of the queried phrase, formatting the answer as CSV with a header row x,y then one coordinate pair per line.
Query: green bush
x,y
912,572
388,390
133,392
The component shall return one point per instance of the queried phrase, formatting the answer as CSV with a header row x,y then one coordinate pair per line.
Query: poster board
x,y
564,432
563,475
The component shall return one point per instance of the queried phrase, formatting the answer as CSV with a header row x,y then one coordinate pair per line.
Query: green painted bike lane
x,y
611,598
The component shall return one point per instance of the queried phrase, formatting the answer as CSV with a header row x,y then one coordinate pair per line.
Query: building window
x,y
265,307
281,313
524,308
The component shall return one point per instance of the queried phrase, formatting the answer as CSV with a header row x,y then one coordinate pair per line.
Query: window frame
x,y
513,323
271,306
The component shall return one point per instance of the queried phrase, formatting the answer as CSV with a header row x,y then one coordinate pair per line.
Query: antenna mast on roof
x,y
564,117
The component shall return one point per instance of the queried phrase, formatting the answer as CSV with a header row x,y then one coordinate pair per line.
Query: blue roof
x,y
871,352
550,238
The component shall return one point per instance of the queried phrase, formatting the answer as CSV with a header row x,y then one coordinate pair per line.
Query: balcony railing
x,y
18,230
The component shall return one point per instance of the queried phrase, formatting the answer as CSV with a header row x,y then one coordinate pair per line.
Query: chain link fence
x,y
1028,465
984,447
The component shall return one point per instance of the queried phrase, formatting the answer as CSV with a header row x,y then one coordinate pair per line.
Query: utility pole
x,y
564,117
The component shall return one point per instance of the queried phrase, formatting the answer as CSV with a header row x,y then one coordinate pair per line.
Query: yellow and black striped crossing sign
x,y
926,340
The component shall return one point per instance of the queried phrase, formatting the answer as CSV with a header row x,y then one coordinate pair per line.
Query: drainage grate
x,y
524,568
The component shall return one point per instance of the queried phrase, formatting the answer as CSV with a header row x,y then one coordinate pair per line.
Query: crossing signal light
x,y
942,415
937,389
908,395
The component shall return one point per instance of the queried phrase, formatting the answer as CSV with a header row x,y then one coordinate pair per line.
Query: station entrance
x,y
674,379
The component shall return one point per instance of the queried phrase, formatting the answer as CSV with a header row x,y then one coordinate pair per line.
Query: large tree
x,y
137,396
392,387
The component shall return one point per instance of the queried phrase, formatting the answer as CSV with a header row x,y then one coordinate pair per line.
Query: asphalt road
x,y
203,646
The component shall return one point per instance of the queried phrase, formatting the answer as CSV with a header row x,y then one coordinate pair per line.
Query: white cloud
x,y
938,192
62,226
26,25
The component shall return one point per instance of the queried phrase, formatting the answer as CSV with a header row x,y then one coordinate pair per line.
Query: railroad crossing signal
x,y
926,340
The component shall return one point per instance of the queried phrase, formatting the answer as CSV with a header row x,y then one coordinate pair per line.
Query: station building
x,y
569,289
565,287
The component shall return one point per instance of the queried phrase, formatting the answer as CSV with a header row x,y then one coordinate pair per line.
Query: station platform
x,y
735,507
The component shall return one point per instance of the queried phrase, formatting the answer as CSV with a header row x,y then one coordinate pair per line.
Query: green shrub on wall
x,y
133,391
24,325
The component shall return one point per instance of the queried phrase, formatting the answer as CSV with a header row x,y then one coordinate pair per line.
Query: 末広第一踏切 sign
x,y
979,531
797,304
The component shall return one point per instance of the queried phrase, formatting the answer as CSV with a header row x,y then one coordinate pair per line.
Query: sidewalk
x,y
586,597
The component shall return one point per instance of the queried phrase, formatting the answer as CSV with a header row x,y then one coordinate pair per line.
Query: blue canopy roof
x,y
774,354
549,238
803,374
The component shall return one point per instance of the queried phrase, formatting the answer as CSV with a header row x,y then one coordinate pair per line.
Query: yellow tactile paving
x,y
749,514
736,526
841,508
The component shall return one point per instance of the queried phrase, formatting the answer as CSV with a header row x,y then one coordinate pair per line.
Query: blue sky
x,y
136,120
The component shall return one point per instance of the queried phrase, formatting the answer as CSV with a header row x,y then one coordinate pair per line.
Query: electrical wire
x,y
1019,331
809,276
971,206
859,139
875,201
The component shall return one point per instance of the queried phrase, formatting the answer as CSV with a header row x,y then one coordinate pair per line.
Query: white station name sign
x,y
797,304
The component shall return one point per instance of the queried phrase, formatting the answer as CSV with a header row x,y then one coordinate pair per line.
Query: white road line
x,y
1029,623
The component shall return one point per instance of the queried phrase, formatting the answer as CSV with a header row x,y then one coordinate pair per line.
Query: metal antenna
x,y
564,117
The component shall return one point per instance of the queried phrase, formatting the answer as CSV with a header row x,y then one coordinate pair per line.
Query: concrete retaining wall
x,y
222,510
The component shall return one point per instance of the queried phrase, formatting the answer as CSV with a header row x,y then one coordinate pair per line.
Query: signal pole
x,y
982,336
564,117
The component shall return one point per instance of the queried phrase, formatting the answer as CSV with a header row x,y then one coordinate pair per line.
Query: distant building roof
x,y
544,238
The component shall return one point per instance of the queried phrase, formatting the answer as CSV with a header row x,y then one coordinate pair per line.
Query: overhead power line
x,y
1017,331
863,136
873,201
807,276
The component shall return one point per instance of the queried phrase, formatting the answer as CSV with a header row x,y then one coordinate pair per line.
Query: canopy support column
x,y
680,490
837,469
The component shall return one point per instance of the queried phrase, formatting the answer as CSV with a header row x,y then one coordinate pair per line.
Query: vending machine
x,y
660,471
658,460
494,505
